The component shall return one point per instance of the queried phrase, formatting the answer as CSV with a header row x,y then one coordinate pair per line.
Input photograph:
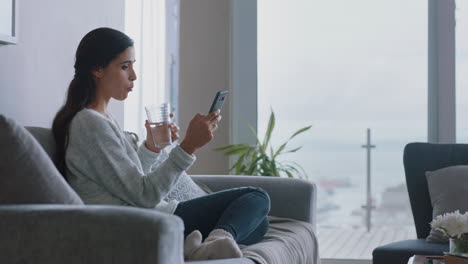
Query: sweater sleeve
x,y
163,155
148,158
100,153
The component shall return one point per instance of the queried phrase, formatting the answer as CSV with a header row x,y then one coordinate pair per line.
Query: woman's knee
x,y
262,197
262,193
257,234
264,225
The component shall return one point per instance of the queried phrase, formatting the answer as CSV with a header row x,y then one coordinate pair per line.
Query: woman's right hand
x,y
200,131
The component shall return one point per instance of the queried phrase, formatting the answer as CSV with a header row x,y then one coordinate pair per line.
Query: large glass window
x,y
145,23
343,67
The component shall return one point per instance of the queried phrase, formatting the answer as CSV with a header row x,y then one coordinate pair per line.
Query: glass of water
x,y
158,116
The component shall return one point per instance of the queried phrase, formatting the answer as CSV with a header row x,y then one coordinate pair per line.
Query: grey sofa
x,y
51,233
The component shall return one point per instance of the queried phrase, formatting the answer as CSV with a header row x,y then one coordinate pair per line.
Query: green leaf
x,y
271,126
253,166
279,150
295,164
289,174
242,169
304,173
257,159
293,150
289,170
235,151
253,155
297,168
237,170
264,169
300,131
274,169
239,162
225,147
251,130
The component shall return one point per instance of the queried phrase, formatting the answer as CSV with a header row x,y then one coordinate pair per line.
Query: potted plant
x,y
261,159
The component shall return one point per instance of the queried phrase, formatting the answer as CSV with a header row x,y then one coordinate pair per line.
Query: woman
x,y
103,168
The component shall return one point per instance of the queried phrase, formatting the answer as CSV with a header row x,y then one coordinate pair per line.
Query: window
x,y
153,25
343,67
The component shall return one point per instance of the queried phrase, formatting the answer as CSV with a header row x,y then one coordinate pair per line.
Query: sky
x,y
343,64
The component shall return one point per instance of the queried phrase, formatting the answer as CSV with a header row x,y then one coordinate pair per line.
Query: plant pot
x,y
458,245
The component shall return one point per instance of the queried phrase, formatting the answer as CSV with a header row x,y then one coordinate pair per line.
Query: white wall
x,y
35,73
218,51
205,69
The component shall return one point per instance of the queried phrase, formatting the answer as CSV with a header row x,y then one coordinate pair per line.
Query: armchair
x,y
419,158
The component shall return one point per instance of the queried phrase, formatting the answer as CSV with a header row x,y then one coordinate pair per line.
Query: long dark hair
x,y
96,50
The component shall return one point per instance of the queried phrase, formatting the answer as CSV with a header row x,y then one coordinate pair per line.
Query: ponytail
x,y
81,92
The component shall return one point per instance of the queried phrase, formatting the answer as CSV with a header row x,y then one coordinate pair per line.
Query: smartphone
x,y
218,101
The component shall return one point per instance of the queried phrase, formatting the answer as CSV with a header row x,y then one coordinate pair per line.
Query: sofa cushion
x,y
448,190
286,241
185,189
27,174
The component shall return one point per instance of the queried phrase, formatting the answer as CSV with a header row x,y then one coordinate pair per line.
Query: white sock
x,y
218,233
218,245
192,241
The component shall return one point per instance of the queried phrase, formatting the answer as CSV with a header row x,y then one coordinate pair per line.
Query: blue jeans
x,y
240,211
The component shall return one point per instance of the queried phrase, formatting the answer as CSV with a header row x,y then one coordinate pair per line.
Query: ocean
x,y
339,171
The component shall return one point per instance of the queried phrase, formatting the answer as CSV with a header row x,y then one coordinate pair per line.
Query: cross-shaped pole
x,y
368,205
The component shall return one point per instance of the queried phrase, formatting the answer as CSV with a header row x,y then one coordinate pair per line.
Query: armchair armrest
x,y
88,234
290,198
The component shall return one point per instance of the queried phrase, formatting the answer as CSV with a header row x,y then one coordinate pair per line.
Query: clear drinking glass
x,y
158,116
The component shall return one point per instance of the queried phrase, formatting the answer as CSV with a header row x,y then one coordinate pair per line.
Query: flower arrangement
x,y
455,226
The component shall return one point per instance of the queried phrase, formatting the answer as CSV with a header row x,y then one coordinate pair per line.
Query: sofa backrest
x,y
419,158
46,139
27,174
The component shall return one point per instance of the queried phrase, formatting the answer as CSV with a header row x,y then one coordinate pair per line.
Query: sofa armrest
x,y
290,198
88,234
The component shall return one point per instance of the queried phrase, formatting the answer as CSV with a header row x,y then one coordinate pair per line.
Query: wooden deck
x,y
355,245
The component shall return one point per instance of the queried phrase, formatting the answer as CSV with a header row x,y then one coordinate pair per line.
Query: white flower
x,y
437,222
464,218
452,224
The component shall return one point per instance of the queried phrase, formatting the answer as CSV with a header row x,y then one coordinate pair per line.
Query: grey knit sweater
x,y
103,167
